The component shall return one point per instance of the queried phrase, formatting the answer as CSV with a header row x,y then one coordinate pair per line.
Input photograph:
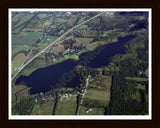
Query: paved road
x,y
81,102
43,50
83,97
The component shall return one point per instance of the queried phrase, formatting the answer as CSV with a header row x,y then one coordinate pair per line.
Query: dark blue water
x,y
43,79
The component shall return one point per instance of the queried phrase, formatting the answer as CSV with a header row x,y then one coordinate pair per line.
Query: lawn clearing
x,y
71,57
59,48
22,23
50,38
80,41
97,96
137,78
25,40
140,86
95,111
19,90
34,33
67,106
43,109
94,45
41,16
18,48
23,19
18,60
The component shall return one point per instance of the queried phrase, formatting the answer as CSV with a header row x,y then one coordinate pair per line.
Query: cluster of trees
x,y
79,96
120,101
87,71
92,103
24,107
69,43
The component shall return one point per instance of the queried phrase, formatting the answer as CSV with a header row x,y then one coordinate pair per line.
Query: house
x,y
89,110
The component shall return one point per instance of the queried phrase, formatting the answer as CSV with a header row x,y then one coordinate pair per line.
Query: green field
x,y
67,106
97,96
43,109
23,21
18,60
95,111
18,48
26,40
94,45
50,38
137,78
71,57
41,16
34,33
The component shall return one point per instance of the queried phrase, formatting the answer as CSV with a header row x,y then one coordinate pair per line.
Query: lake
x,y
44,79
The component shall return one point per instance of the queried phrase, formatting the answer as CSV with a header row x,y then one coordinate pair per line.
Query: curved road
x,y
53,43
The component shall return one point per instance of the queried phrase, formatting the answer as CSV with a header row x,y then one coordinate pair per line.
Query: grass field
x,y
71,21
80,41
95,111
18,48
97,96
50,38
43,109
23,21
18,60
59,48
22,89
41,16
34,33
67,106
25,40
71,57
137,78
94,45
139,86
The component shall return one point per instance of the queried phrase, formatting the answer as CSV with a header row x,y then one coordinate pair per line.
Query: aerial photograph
x,y
71,62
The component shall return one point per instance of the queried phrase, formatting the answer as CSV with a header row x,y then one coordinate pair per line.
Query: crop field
x,y
18,60
23,19
80,41
21,24
43,109
16,17
67,106
22,89
31,29
95,111
60,20
71,57
18,48
34,33
94,45
59,48
26,40
50,38
97,97
71,21
98,94
137,78
41,16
